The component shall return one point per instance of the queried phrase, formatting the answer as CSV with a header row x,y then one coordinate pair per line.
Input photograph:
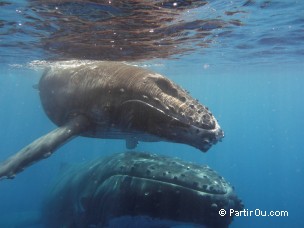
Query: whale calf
x,y
137,186
104,99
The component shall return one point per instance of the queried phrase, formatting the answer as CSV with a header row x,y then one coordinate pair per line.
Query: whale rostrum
x,y
115,100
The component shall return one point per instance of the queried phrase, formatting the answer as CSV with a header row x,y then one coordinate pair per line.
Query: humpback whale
x,y
105,99
136,185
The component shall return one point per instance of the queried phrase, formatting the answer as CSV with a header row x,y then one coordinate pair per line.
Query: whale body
x,y
136,186
104,99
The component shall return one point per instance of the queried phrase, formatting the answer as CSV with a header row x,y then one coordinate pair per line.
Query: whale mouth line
x,y
167,183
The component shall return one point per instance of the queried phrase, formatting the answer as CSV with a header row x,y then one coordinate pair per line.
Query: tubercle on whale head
x,y
218,136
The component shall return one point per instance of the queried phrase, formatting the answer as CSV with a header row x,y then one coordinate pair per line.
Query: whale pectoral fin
x,y
42,147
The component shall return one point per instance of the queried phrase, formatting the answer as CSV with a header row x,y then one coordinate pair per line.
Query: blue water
x,y
250,76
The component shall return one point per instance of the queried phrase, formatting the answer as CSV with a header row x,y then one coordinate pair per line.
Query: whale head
x,y
136,184
165,110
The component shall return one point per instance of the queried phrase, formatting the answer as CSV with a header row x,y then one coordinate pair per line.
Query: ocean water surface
x,y
242,59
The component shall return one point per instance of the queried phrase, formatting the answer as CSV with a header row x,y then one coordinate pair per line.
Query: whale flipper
x,y
42,147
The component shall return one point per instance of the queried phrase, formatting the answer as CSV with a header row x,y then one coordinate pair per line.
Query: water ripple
x,y
131,30
111,30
